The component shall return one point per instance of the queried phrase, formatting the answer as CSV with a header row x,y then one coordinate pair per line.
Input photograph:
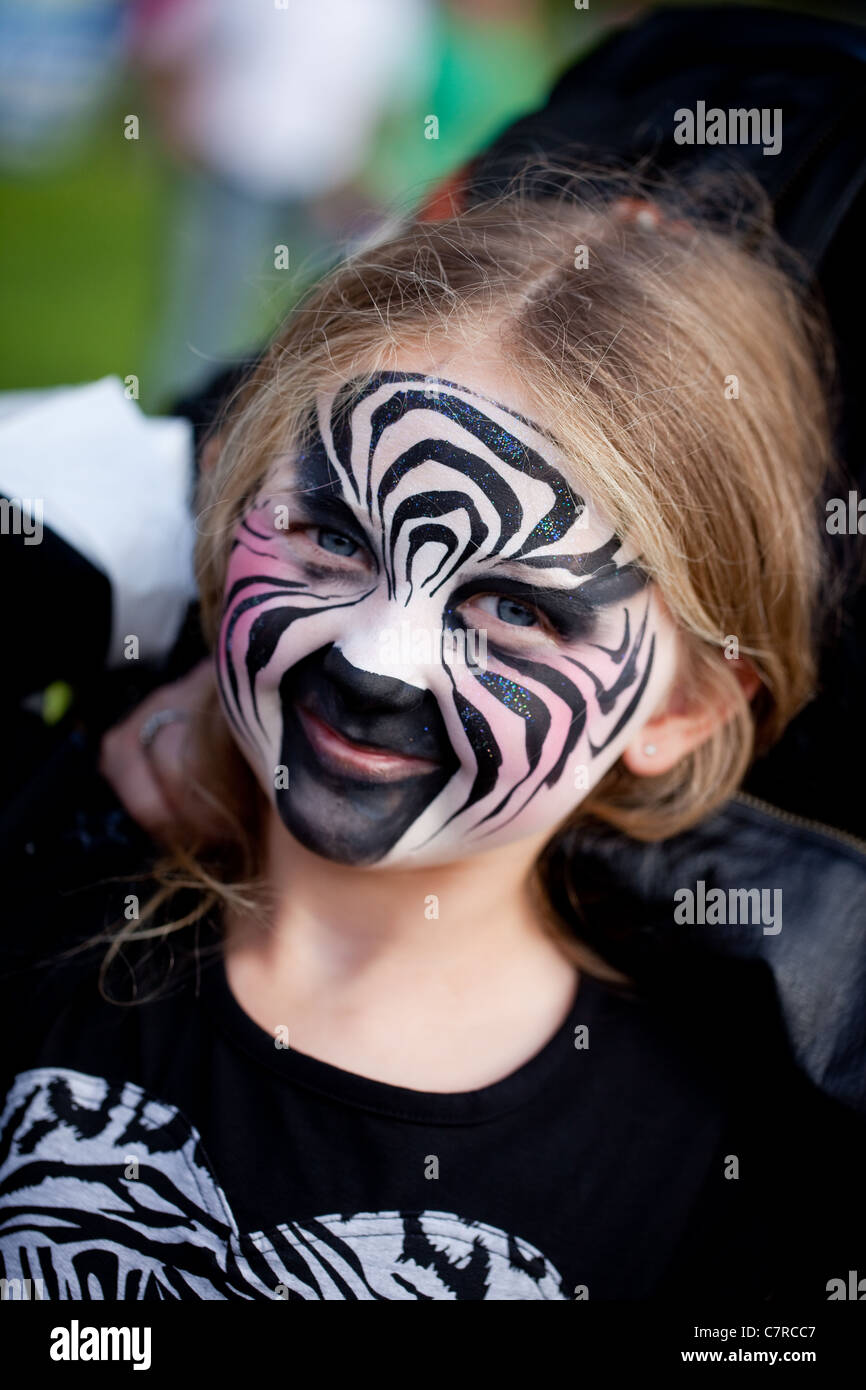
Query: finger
x,y
125,767
168,759
142,797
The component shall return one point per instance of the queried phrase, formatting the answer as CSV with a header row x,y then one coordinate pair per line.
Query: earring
x,y
649,749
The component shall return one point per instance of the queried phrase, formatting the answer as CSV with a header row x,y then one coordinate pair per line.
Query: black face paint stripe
x,y
618,582
632,705
559,684
415,507
341,434
536,717
485,750
432,532
607,697
475,469
509,449
615,585
414,380
616,654
578,724
232,611
252,671
247,526
605,581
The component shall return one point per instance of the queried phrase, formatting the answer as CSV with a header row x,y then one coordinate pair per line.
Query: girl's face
x,y
431,644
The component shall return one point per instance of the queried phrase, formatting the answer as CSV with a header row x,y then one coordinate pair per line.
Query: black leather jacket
x,y
811,947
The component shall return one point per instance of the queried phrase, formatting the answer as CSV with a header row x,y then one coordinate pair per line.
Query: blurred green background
x,y
96,277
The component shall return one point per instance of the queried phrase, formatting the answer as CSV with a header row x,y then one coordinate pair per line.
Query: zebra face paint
x,y
430,643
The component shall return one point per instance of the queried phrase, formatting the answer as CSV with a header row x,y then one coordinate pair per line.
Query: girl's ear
x,y
678,729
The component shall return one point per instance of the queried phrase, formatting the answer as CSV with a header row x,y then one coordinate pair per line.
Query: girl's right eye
x,y
334,541
326,551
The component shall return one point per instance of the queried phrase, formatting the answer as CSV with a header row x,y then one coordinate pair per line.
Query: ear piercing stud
x,y
649,749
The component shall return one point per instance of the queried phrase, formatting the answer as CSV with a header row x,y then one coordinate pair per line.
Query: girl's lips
x,y
356,759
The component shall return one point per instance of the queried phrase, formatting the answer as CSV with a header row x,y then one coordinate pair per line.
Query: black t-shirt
x,y
175,1149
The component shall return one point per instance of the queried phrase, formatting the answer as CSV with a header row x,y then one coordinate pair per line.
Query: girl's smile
x,y
363,761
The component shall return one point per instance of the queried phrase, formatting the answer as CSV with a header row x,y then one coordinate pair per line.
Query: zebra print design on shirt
x,y
72,1218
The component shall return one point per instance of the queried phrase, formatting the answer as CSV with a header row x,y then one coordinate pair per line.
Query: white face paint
x,y
431,645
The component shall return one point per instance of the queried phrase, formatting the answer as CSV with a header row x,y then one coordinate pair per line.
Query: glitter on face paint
x,y
513,696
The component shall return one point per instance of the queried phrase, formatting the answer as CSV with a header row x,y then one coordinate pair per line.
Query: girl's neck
x,y
437,978
357,916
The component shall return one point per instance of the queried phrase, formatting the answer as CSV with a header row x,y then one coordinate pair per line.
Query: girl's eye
x,y
335,542
508,610
515,613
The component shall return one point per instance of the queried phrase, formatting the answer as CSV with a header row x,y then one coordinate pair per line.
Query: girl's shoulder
x,y
755,908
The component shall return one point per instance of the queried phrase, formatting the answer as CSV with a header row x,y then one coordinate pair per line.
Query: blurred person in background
x,y
269,112
209,157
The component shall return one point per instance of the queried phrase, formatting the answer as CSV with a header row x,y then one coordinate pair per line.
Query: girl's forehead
x,y
371,441
395,406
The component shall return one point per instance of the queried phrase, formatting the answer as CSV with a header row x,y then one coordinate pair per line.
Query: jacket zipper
x,y
842,836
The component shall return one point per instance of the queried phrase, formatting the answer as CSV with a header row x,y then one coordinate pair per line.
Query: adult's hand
x,y
155,779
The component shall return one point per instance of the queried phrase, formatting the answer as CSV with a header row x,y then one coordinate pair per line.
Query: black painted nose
x,y
369,709
364,692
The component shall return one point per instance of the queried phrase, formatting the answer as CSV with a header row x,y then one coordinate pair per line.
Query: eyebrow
x,y
331,507
525,569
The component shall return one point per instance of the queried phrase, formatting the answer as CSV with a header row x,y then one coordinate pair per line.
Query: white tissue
x,y
115,485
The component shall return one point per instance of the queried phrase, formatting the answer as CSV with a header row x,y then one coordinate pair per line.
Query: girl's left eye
x,y
508,611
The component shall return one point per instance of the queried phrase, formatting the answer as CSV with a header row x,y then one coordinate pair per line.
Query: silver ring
x,y
152,725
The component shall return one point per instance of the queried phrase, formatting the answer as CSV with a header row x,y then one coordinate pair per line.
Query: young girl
x,y
513,527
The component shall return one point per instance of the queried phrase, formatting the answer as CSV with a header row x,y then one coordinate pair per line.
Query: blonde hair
x,y
677,358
